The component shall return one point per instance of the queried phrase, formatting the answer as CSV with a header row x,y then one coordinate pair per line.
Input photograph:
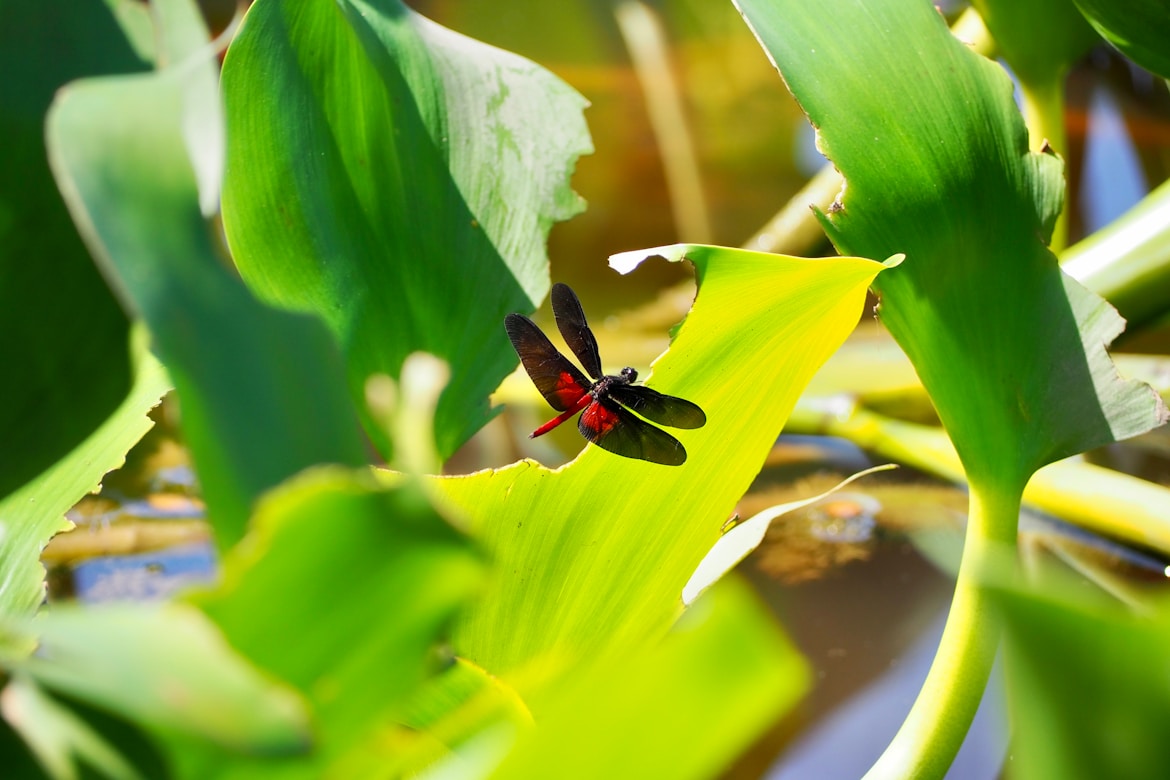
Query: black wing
x,y
571,322
558,380
662,409
612,428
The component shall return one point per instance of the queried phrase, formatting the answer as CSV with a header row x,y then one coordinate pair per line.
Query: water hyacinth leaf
x,y
30,516
596,553
1138,28
954,187
683,707
168,668
398,180
262,392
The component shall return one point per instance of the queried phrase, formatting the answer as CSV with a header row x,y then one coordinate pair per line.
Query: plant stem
x,y
1044,115
938,722
646,41
1098,499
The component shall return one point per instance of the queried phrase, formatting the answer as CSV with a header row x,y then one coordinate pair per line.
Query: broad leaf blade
x,y
399,180
595,554
937,166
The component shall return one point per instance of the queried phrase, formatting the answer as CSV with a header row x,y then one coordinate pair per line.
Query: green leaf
x,y
262,392
595,554
398,180
30,516
1010,351
1138,28
64,352
342,589
1087,687
684,707
167,667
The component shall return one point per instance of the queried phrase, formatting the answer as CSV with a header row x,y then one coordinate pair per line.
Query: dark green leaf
x,y
64,343
937,166
398,180
1138,28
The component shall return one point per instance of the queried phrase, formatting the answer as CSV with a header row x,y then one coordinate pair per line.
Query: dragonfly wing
x,y
662,409
558,380
612,428
575,330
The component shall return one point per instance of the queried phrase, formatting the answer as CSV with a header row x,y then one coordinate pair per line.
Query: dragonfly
x,y
612,407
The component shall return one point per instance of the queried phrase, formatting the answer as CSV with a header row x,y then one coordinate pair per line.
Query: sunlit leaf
x,y
262,392
30,516
399,180
595,554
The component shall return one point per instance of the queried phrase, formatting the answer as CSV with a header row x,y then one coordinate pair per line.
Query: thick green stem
x,y
938,722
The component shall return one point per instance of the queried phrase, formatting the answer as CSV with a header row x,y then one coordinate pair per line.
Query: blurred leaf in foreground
x,y
1088,687
344,589
262,392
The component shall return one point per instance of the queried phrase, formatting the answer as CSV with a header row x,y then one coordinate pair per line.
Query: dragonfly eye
x,y
629,374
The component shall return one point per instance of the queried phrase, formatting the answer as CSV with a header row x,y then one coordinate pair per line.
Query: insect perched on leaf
x,y
607,400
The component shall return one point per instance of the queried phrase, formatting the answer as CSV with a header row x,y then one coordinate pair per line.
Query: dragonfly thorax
x,y
601,387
